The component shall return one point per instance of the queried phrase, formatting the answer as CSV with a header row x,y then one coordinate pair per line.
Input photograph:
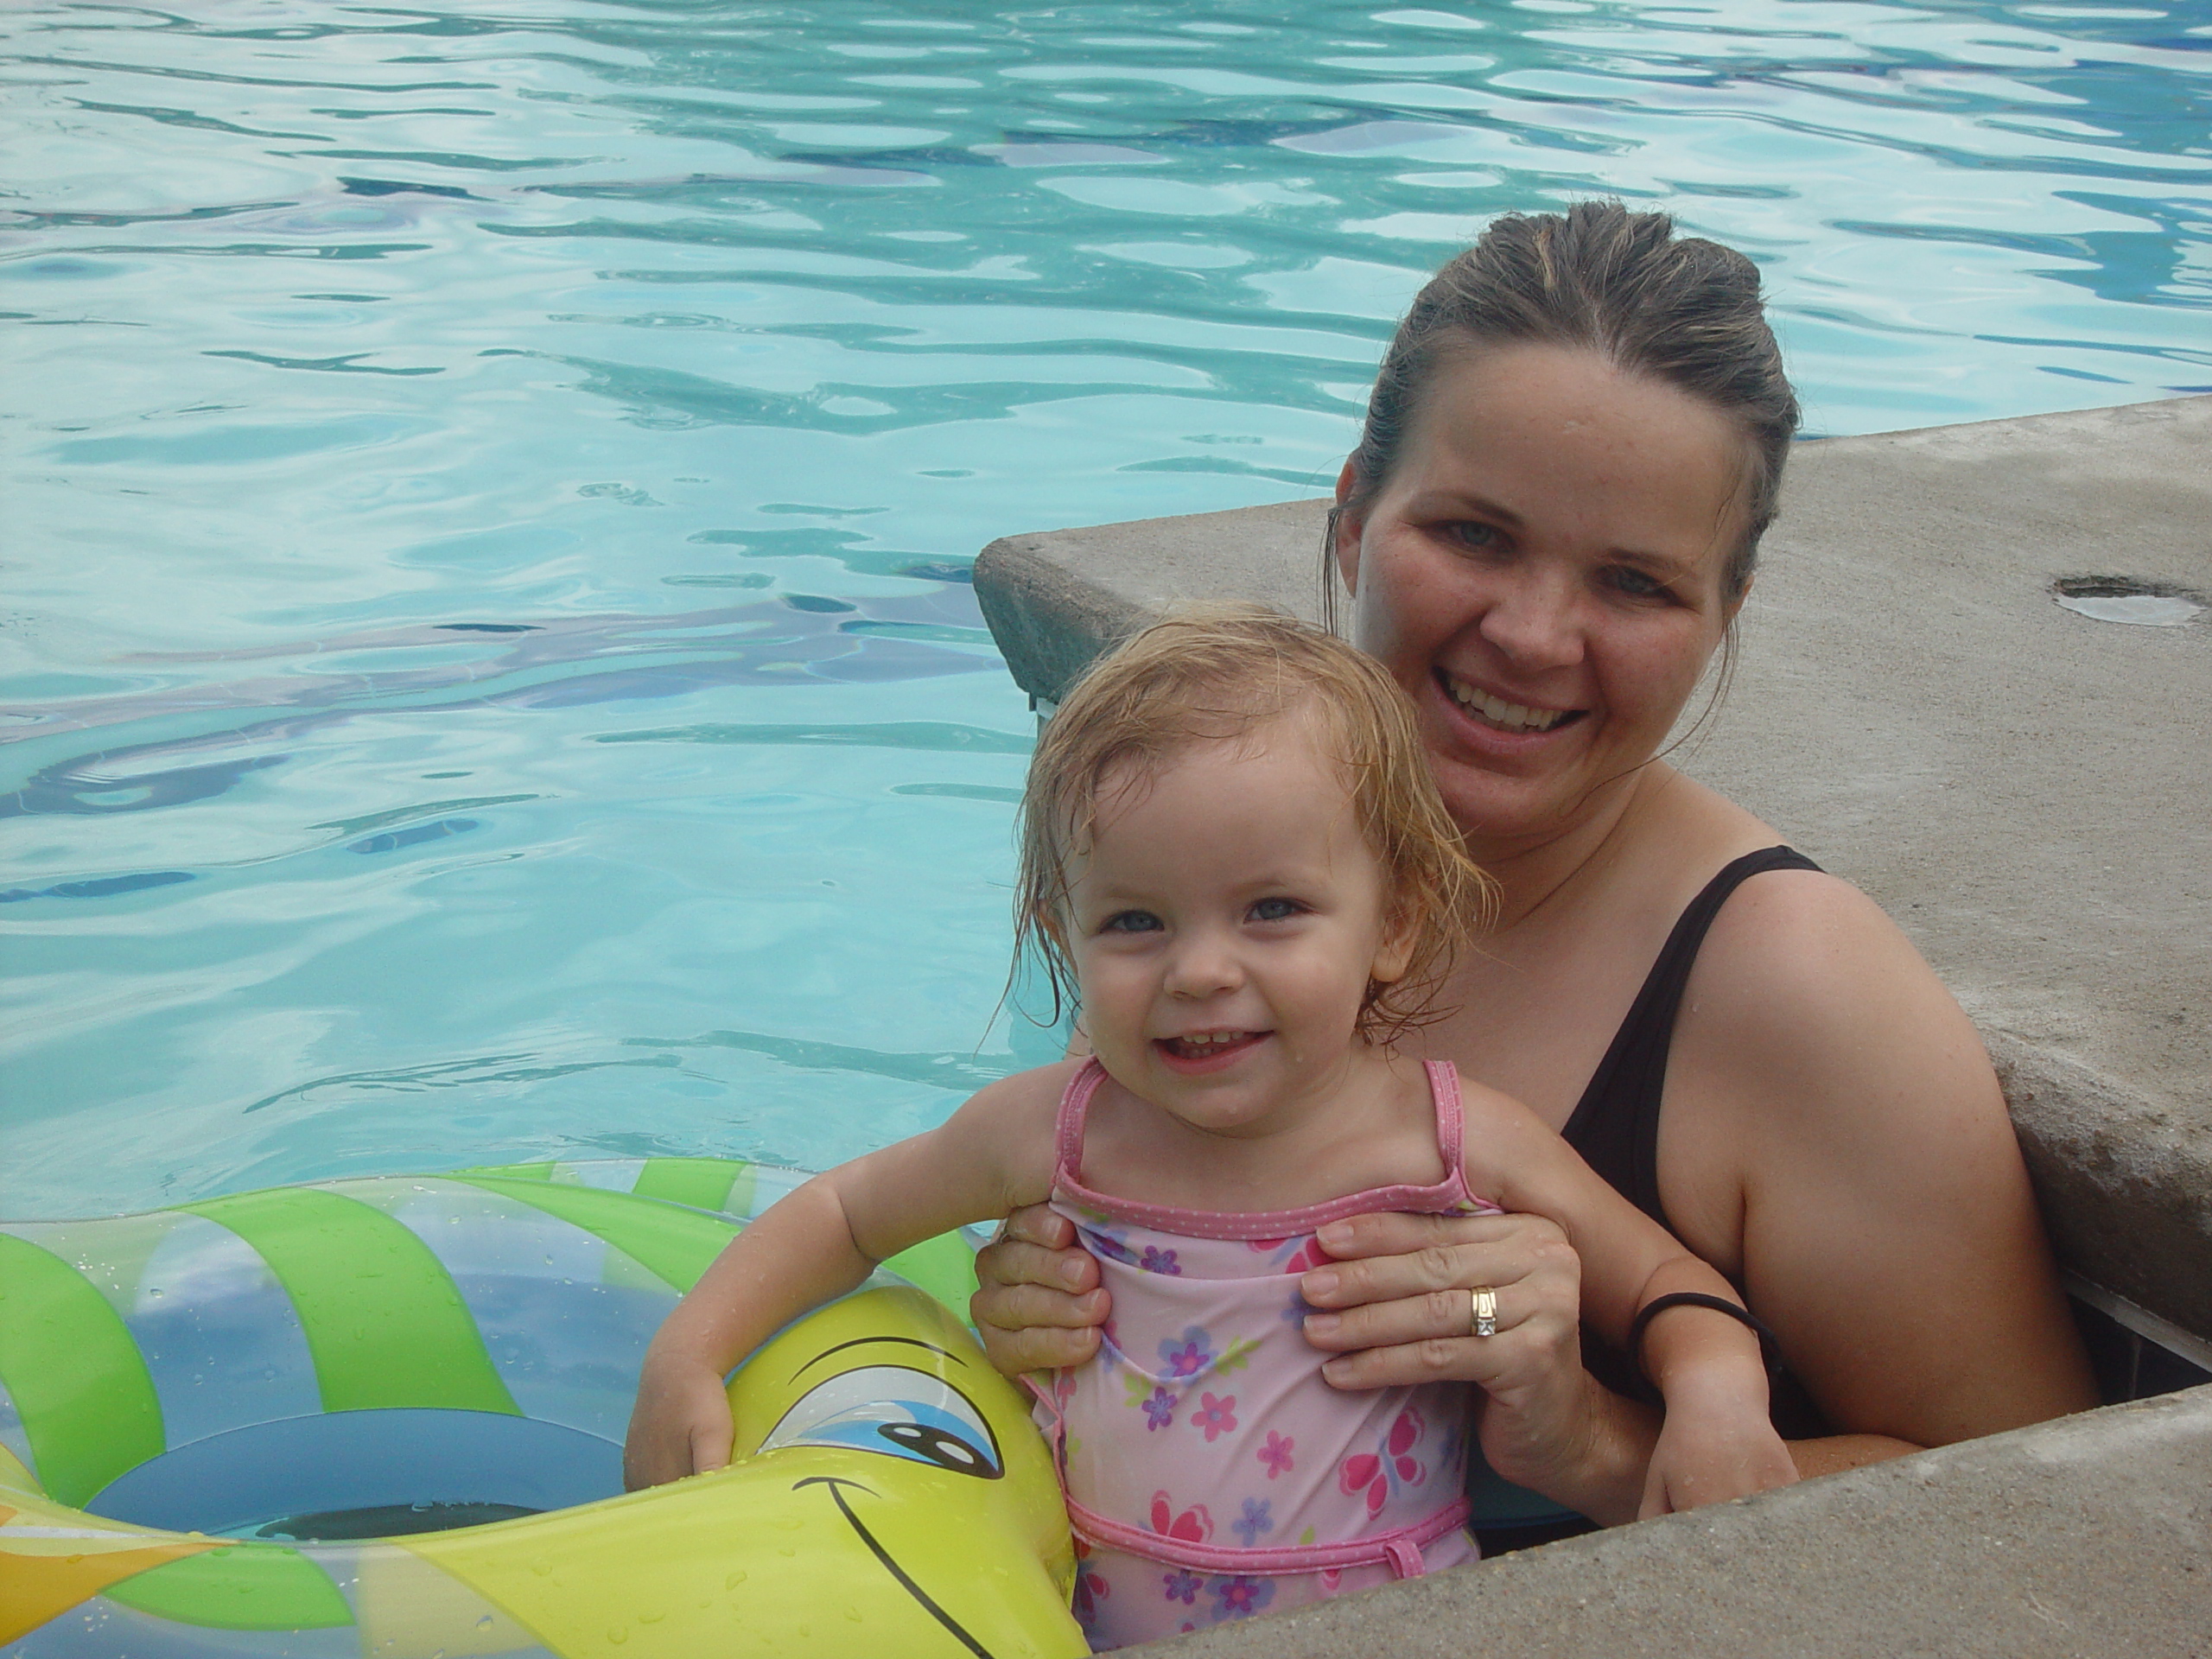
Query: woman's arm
x,y
820,1242
1830,1104
1833,1140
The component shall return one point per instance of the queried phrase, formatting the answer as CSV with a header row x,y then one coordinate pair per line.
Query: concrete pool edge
x,y
2024,790
2086,1536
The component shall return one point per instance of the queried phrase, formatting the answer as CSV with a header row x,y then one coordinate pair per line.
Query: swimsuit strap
x,y
1450,1121
1067,1128
1400,1548
1446,1196
1615,1125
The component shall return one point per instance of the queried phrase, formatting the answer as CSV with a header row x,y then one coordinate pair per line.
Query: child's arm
x,y
1717,1440
990,1157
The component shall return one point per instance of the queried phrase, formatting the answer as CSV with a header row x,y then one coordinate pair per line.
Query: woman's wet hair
x,y
1680,310
1219,674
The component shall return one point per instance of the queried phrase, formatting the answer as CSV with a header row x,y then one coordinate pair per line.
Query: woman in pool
x,y
1232,853
1550,523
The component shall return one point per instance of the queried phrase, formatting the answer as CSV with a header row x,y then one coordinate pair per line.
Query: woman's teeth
x,y
1498,712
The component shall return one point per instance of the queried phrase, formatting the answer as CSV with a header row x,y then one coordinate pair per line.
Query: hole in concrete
x,y
2123,599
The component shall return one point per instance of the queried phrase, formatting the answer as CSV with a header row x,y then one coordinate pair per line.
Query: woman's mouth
x,y
1201,1051
1499,716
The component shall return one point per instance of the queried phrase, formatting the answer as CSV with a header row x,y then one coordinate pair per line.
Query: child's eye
x,y
1275,910
1131,921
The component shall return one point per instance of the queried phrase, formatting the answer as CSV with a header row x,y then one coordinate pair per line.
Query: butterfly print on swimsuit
x,y
1390,1467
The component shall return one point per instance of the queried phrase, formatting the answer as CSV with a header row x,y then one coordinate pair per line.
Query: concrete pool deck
x,y
2027,791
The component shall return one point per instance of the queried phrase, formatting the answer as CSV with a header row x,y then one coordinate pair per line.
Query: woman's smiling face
x,y
1543,572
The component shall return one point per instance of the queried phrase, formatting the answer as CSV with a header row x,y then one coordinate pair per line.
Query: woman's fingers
x,y
1429,1316
1454,1253
1014,1351
1040,1224
1393,1234
1038,1303
1015,1265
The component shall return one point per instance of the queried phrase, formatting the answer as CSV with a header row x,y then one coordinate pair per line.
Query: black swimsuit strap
x,y
1615,1125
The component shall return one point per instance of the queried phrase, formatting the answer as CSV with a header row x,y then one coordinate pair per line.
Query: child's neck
x,y
1371,1124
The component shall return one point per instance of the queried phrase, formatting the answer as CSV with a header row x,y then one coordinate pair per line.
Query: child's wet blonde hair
x,y
1217,674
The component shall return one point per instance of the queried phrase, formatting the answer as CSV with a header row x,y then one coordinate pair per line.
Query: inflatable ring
x,y
382,1419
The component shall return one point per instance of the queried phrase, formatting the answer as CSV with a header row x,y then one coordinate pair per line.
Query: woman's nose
x,y
1533,622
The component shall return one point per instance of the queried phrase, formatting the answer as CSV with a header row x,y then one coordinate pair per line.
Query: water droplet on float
x,y
734,1580
618,1634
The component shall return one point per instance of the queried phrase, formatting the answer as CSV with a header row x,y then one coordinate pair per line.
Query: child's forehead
x,y
1295,739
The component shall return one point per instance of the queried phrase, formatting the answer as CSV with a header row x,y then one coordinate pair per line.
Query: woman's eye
x,y
1275,910
1636,584
1473,537
1131,921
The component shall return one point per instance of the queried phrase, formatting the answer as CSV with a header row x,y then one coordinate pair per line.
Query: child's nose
x,y
1202,966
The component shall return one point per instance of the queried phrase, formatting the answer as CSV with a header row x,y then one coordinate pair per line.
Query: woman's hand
x,y
1398,1309
1037,1305
680,1424
1717,1442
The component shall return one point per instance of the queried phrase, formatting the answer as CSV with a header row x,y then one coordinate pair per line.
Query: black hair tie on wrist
x,y
1770,1349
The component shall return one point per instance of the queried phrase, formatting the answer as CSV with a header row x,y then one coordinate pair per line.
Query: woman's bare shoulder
x,y
1812,1021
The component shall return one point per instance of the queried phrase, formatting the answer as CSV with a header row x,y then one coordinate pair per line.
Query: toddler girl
x,y
1234,857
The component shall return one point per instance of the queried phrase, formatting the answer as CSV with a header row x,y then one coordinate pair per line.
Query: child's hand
x,y
680,1425
1715,1443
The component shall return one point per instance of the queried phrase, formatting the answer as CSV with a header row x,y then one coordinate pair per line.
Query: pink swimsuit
x,y
1210,1473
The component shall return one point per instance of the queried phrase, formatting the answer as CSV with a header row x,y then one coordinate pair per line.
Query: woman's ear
x,y
1348,526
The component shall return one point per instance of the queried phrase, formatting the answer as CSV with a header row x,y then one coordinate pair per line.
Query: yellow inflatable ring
x,y
382,1419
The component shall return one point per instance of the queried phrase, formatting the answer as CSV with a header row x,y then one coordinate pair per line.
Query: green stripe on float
x,y
703,1183
943,1266
75,1374
240,1587
383,1322
513,1172
675,1245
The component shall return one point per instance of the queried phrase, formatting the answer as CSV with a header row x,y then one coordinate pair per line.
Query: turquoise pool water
x,y
488,671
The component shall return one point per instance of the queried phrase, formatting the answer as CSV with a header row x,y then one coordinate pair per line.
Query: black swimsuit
x,y
1615,1126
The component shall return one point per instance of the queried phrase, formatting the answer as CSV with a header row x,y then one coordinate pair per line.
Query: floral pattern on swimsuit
x,y
1211,1473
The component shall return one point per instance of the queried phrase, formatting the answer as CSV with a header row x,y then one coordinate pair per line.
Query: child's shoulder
x,y
1498,1128
1008,1125
1021,1098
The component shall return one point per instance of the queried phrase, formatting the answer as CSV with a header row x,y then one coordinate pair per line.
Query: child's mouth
x,y
1202,1050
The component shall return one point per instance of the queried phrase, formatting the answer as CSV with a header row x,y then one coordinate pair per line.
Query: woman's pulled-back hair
x,y
1218,674
1680,310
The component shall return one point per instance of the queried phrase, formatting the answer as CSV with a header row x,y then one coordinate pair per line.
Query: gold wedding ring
x,y
1485,1312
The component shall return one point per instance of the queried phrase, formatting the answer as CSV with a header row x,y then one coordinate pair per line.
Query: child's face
x,y
1225,922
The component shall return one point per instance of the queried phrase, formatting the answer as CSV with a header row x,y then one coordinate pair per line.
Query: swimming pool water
x,y
487,666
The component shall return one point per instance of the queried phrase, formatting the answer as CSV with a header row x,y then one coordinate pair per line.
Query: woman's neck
x,y
1541,870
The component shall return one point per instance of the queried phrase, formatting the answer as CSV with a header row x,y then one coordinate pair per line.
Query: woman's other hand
x,y
1717,1442
1038,1306
1397,1308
